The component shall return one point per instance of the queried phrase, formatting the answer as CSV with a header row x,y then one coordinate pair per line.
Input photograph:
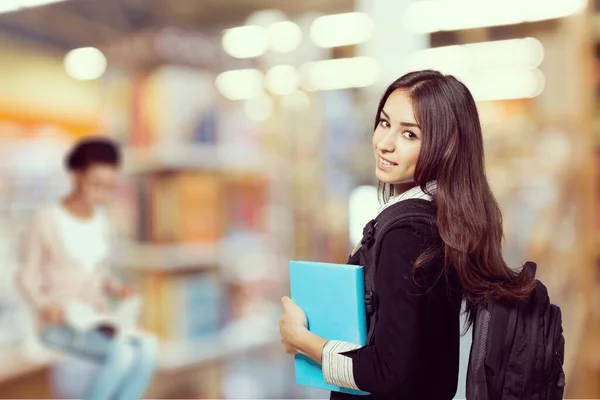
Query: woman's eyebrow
x,y
407,124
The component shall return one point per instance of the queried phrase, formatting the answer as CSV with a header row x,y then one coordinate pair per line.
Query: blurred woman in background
x,y
65,261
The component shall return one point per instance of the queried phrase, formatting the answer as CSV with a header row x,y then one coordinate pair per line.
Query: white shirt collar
x,y
413,193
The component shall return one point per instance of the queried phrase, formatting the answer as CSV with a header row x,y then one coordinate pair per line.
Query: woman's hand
x,y
292,325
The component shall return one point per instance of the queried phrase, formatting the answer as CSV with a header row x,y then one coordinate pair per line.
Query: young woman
x,y
64,261
427,145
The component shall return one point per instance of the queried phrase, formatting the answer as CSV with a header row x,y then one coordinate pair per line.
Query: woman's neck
x,y
75,205
400,188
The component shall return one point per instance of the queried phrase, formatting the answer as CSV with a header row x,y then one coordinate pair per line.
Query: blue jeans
x,y
127,365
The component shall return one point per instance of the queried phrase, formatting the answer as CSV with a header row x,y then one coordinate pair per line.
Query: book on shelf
x,y
181,207
184,306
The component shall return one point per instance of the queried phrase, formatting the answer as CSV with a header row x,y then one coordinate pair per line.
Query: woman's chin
x,y
383,177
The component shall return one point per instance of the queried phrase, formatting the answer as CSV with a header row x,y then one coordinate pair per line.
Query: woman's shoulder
x,y
418,233
403,245
410,237
40,222
414,217
44,213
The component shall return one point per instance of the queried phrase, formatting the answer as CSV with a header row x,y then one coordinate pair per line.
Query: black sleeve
x,y
385,366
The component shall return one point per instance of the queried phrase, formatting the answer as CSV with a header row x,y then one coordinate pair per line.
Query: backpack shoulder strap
x,y
476,385
411,210
407,211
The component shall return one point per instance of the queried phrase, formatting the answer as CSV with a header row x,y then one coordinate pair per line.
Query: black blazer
x,y
415,350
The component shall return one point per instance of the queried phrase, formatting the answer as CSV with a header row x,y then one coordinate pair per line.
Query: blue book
x,y
333,298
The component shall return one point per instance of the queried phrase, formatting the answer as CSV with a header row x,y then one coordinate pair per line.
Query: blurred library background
x,y
245,127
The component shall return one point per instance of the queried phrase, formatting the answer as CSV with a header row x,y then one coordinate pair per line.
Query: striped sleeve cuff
x,y
337,368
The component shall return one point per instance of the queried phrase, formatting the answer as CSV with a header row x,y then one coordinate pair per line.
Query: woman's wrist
x,y
300,337
310,345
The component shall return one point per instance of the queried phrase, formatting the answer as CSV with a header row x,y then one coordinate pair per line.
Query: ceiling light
x,y
460,59
240,84
505,84
342,73
282,79
448,15
86,63
245,41
284,36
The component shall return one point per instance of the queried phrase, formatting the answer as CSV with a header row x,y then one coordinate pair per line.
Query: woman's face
x,y
397,140
96,183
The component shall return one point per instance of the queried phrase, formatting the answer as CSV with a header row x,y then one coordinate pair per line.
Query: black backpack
x,y
517,350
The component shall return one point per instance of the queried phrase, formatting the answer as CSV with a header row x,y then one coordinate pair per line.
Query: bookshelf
x,y
198,231
190,223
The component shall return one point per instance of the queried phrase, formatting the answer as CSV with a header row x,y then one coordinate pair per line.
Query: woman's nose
x,y
386,144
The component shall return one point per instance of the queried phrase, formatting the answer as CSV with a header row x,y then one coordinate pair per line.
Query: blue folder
x,y
332,296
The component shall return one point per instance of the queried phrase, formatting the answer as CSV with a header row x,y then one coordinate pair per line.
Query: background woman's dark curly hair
x,y
90,151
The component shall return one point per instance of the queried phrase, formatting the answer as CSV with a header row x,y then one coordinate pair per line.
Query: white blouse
x,y
85,240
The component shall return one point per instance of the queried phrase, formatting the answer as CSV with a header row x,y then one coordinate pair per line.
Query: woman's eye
x,y
409,135
384,123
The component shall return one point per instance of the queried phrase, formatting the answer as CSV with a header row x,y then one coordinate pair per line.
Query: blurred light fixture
x,y
455,60
505,84
9,6
447,15
85,63
284,36
306,80
259,108
282,79
35,3
341,29
363,203
298,100
503,69
14,5
342,73
460,59
240,84
245,41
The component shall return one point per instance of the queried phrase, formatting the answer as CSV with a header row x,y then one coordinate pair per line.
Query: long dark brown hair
x,y
468,217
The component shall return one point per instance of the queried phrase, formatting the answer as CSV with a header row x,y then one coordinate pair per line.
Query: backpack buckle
x,y
368,233
369,300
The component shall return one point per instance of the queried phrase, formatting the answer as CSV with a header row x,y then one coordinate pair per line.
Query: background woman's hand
x,y
292,324
52,314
